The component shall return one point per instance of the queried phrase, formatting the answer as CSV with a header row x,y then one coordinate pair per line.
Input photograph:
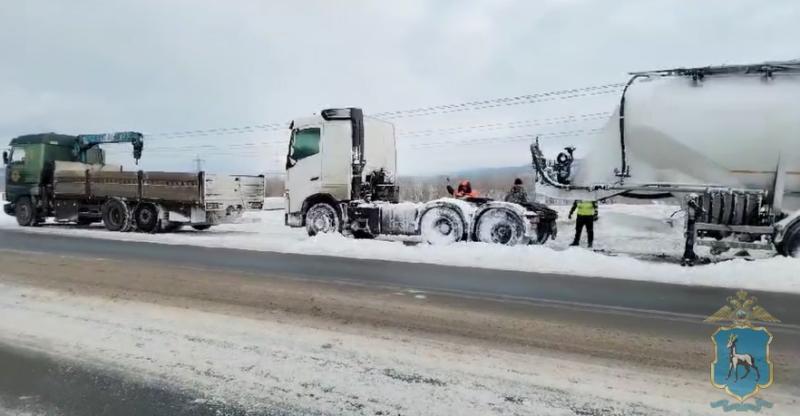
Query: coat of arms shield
x,y
741,366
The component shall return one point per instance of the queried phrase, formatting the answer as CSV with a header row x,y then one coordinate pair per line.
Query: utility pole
x,y
198,163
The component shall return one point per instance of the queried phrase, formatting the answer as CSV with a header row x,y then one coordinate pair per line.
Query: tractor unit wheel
x,y
116,216
323,218
146,218
790,246
25,211
500,226
441,226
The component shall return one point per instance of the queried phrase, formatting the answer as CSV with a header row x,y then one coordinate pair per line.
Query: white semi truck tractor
x,y
724,140
341,172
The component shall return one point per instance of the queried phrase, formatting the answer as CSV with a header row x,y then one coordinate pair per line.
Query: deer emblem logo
x,y
736,360
741,365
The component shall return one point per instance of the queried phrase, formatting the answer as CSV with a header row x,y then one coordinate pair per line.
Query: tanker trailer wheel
x,y
146,218
791,242
322,218
25,212
441,226
116,216
500,226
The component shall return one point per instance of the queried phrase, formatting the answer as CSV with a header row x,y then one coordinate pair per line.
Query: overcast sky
x,y
164,66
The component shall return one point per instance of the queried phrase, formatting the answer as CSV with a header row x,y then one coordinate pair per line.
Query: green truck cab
x,y
29,169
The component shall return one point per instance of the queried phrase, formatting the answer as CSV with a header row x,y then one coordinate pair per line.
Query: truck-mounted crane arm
x,y
85,142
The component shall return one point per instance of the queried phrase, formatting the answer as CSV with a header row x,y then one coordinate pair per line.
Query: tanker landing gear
x,y
692,210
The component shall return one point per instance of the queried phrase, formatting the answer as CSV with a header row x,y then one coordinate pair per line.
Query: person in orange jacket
x,y
465,190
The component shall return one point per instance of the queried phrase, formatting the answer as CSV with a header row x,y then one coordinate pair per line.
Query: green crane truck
x,y
66,178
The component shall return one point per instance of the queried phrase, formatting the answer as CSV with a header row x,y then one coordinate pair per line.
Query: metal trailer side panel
x,y
172,187
114,184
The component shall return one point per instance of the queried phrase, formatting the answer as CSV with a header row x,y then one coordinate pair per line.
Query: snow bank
x,y
634,230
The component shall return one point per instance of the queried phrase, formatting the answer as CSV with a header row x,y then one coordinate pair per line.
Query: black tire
x,y
500,226
441,226
323,218
790,246
201,227
116,216
25,212
145,216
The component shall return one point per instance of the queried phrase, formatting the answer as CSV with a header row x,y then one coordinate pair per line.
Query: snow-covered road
x,y
631,230
278,362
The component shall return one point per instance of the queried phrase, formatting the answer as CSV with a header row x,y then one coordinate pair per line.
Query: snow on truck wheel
x,y
791,242
116,216
500,226
322,218
441,225
146,218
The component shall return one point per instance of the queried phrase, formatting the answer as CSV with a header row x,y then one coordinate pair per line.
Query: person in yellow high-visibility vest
x,y
587,214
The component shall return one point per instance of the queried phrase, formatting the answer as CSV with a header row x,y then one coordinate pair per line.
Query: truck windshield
x,y
305,143
17,155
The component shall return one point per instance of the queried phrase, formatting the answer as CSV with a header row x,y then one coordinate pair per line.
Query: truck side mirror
x,y
5,157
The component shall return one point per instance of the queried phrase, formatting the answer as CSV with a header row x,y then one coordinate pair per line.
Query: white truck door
x,y
303,166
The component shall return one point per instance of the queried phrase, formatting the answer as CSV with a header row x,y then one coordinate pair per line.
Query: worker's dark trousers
x,y
584,221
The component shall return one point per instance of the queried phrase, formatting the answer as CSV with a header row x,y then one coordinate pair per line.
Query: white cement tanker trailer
x,y
725,140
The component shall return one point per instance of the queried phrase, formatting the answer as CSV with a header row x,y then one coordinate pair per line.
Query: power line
x,y
503,101
507,139
415,112
566,119
468,142
510,124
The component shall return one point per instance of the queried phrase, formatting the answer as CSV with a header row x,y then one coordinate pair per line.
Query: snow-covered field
x,y
631,231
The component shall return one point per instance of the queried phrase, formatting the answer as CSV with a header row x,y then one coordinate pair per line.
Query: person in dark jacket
x,y
587,214
517,193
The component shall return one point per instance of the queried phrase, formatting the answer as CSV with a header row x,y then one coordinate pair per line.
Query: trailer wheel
x,y
201,227
500,226
791,242
116,216
25,212
322,218
146,218
441,226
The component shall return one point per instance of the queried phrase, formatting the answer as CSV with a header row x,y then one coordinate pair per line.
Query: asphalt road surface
x,y
35,383
585,292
